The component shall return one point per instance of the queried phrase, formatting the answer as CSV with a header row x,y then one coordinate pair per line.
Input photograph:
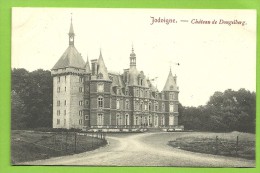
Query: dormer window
x,y
171,87
100,76
141,82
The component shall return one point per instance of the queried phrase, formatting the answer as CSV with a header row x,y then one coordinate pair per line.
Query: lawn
x,y
32,145
233,144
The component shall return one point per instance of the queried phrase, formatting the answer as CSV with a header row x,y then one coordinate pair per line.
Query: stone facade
x,y
85,97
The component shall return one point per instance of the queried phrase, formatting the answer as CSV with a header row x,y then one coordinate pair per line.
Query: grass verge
x,y
32,145
245,148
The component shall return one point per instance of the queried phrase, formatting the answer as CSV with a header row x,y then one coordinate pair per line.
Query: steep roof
x,y
102,68
70,58
87,67
170,83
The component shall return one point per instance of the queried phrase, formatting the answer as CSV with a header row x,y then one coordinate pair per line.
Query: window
x,y
65,103
80,112
141,93
64,122
58,121
126,92
117,104
58,89
162,120
118,120
136,120
149,107
127,119
80,102
100,87
86,117
100,76
58,112
145,107
171,107
100,102
58,79
149,120
117,91
65,78
141,106
100,119
65,89
80,89
81,79
126,104
171,96
141,82
80,121
163,107
58,103
162,96
171,87
136,106
64,112
137,92
86,102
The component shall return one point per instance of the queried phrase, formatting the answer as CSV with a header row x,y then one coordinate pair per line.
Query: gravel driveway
x,y
146,149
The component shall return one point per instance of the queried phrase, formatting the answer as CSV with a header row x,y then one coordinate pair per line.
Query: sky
x,y
212,57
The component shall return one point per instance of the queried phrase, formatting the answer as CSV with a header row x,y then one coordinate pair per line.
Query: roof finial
x,y
70,17
132,47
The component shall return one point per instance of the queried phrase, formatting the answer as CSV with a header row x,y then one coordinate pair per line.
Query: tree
x,y
36,92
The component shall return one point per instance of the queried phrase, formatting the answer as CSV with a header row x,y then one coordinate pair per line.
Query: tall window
x,y
65,102
58,112
141,106
64,112
100,119
117,104
127,119
149,107
141,93
171,107
58,121
64,122
80,89
100,102
81,79
58,79
163,107
137,105
58,89
126,92
162,120
127,104
145,106
136,120
137,93
58,103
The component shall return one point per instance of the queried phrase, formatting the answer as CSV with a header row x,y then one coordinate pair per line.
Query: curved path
x,y
146,149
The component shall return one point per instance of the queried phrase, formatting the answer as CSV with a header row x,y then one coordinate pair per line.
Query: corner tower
x,y
68,87
171,91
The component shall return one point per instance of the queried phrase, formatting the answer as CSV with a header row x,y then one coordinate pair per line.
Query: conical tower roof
x,y
170,84
87,67
102,69
71,57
